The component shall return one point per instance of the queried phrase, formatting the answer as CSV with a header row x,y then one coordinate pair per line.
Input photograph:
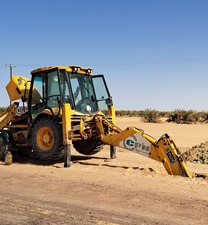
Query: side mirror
x,y
109,101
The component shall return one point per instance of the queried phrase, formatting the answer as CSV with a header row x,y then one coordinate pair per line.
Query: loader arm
x,y
7,116
133,139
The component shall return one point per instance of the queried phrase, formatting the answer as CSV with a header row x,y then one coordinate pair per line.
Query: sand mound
x,y
197,154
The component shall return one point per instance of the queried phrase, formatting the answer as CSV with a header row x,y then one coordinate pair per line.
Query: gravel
x,y
197,154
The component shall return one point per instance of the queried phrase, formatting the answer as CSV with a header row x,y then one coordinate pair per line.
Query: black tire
x,y
6,143
47,139
88,147
3,147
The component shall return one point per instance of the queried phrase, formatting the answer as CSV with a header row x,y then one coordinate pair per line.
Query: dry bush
x,y
181,116
151,116
203,117
2,109
130,113
178,116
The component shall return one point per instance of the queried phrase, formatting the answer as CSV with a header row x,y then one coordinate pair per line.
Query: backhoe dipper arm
x,y
133,139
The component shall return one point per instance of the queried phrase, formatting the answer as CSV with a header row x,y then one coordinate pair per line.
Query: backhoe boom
x,y
133,139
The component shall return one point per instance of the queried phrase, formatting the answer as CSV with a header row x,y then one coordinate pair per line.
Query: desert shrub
x,y
128,113
133,113
151,116
178,116
2,109
162,113
183,116
120,113
203,117
197,116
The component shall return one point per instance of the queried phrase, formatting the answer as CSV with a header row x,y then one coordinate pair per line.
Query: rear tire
x,y
47,139
88,147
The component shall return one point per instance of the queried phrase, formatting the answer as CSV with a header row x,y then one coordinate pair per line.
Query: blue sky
x,y
153,53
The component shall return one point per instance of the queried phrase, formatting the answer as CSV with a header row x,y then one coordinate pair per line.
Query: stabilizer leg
x,y
67,155
112,152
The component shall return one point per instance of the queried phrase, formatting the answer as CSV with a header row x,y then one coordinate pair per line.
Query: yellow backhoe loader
x,y
66,105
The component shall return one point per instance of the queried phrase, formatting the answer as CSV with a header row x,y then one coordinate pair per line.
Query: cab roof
x,y
73,69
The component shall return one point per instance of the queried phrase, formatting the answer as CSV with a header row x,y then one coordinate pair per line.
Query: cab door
x,y
101,91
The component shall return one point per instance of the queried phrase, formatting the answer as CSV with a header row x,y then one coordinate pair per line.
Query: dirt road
x,y
130,190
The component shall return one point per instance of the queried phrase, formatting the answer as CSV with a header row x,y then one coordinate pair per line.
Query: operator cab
x,y
53,86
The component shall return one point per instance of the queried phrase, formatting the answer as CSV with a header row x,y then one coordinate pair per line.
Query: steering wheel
x,y
81,105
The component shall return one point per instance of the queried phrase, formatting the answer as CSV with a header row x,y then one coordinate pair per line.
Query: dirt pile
x,y
197,154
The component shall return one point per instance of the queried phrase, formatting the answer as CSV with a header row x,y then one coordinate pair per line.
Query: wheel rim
x,y
45,138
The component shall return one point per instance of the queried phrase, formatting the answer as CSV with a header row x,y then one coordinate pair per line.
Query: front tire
x,y
6,143
3,147
47,139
